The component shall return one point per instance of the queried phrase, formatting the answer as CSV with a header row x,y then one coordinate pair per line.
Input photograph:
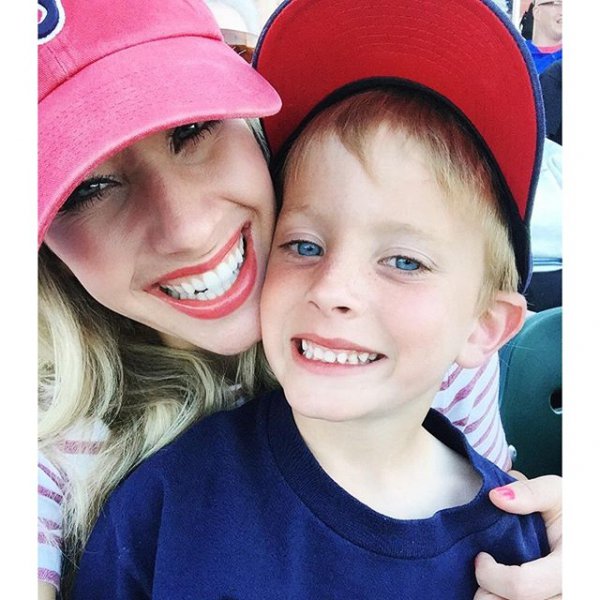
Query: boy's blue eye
x,y
307,248
406,264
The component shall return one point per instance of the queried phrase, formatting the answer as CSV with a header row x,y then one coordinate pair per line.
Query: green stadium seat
x,y
531,394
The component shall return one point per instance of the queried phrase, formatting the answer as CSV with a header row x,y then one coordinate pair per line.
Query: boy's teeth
x,y
313,352
212,284
329,356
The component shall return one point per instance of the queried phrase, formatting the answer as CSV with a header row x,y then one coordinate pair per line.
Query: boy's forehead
x,y
385,153
392,189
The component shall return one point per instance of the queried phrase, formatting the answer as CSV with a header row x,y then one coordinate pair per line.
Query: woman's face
x,y
174,232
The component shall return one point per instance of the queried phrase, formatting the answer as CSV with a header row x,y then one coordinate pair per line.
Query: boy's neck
x,y
392,465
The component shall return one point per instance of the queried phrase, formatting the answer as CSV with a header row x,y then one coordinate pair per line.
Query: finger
x,y
542,494
536,580
483,595
517,475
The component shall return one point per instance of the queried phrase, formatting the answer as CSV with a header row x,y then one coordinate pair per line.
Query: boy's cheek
x,y
273,311
273,295
278,273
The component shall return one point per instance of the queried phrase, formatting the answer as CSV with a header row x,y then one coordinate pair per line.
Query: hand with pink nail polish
x,y
542,578
505,492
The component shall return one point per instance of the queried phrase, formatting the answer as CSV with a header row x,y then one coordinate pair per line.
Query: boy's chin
x,y
331,407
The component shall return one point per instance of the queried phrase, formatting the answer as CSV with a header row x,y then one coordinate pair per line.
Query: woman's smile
x,y
176,236
216,288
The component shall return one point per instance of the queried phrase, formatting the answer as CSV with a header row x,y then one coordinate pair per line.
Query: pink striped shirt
x,y
469,398
52,485
50,494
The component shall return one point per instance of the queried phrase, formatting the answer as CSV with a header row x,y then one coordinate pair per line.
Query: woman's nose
x,y
182,217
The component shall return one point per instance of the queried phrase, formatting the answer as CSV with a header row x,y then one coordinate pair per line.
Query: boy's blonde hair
x,y
452,155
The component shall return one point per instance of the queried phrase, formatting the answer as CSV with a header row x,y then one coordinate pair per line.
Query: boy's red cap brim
x,y
466,51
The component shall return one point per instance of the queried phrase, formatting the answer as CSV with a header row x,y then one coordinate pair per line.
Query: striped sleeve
x,y
78,453
469,398
50,494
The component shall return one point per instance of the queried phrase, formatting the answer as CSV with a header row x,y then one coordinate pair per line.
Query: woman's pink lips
x,y
227,303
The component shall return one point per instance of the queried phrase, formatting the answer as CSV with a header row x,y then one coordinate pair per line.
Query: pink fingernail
x,y
507,492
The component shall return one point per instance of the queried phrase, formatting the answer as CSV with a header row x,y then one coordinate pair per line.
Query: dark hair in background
x,y
526,23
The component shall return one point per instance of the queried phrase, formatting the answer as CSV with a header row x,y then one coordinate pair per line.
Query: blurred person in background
x,y
239,15
551,82
545,44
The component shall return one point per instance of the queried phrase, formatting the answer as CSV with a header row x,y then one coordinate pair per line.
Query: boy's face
x,y
372,284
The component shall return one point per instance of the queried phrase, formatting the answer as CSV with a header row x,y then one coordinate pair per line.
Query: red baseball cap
x,y
465,51
110,73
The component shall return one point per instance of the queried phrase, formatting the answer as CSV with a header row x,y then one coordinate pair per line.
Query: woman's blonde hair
x,y
98,367
452,155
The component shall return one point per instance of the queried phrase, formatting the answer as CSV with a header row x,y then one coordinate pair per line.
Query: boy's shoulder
x,y
220,427
221,441
226,427
451,436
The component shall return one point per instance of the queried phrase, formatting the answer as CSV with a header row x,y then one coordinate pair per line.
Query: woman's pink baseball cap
x,y
466,52
112,72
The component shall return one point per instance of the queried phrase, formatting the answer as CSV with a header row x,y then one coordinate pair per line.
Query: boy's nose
x,y
338,288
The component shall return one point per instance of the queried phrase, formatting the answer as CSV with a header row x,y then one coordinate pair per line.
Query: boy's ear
x,y
494,328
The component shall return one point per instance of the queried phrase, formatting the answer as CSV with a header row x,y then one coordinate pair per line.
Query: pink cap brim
x,y
132,93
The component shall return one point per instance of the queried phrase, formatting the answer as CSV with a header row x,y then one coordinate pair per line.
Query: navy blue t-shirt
x,y
237,508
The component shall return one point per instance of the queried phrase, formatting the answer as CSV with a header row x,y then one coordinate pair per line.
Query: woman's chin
x,y
226,341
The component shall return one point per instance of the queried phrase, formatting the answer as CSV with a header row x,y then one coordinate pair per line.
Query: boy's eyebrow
x,y
390,226
304,208
408,229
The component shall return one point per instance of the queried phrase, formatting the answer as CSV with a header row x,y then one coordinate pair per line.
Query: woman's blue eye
x,y
307,248
184,134
406,264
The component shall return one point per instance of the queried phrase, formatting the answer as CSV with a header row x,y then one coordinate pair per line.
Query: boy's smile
x,y
372,284
334,351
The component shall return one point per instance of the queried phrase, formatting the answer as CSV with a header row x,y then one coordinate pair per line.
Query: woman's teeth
x,y
212,284
343,357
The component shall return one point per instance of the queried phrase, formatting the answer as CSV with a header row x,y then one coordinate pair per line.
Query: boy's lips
x,y
215,288
338,352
